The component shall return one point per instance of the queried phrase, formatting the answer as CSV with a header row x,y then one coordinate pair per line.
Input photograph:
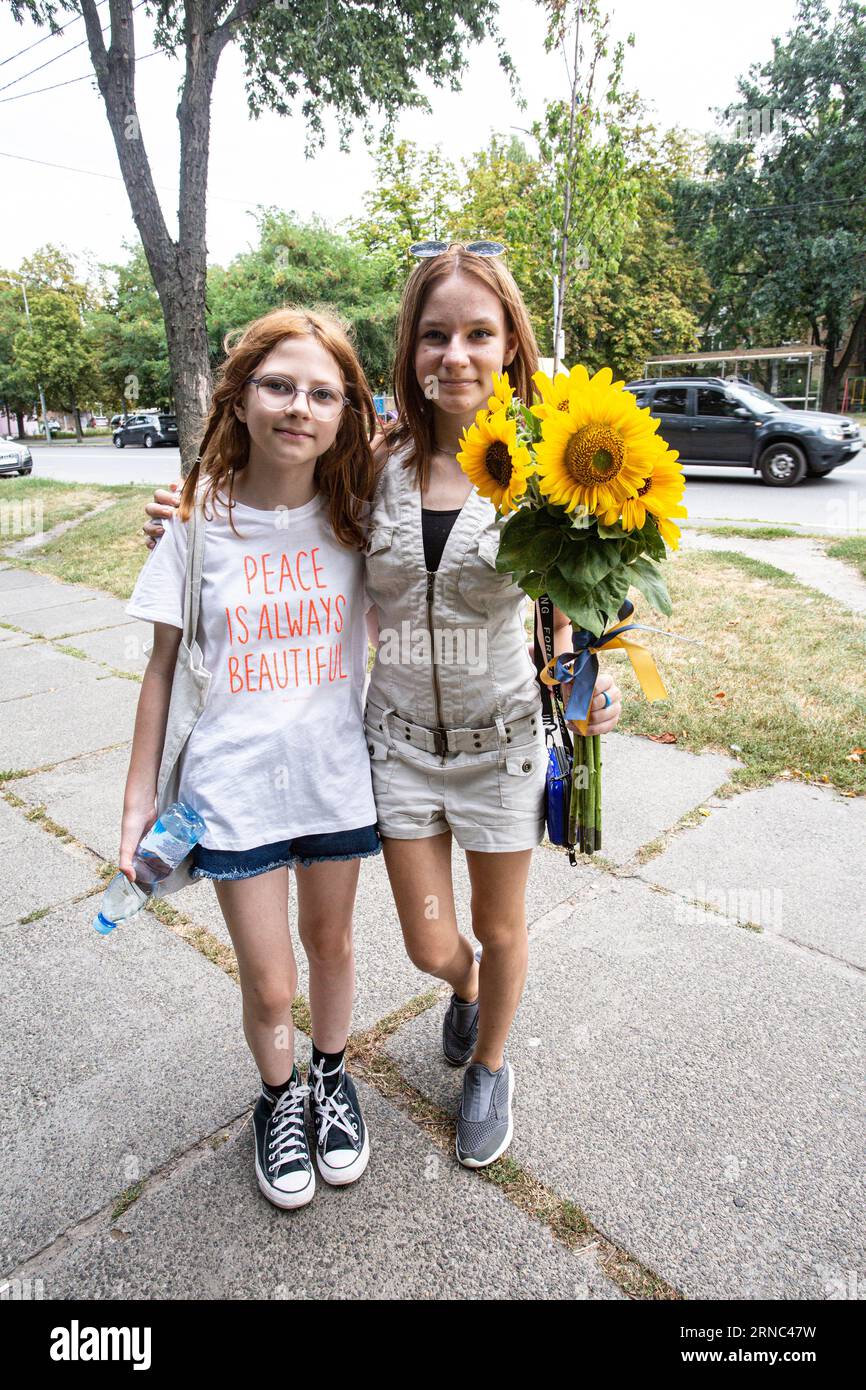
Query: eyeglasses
x,y
280,393
422,249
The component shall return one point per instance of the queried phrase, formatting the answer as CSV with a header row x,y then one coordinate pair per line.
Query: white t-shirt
x,y
279,749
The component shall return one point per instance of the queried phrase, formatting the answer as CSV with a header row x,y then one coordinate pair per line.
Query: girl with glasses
x,y
277,764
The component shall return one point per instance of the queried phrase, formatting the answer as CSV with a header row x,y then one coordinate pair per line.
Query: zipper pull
x,y
431,575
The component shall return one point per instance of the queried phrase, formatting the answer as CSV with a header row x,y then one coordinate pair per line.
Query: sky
x,y
685,61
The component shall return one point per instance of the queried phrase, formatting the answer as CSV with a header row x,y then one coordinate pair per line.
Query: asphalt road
x,y
834,503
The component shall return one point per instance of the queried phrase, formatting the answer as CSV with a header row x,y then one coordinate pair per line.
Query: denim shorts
x,y
302,849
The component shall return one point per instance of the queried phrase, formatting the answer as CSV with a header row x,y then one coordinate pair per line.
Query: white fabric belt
x,y
439,741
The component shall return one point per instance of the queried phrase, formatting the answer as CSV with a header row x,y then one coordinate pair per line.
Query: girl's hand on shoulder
x,y
139,814
602,718
164,504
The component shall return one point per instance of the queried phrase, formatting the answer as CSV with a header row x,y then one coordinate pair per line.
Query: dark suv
x,y
148,429
734,424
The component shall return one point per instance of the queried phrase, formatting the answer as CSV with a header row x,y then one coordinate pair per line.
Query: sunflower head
x,y
554,394
492,457
600,449
660,494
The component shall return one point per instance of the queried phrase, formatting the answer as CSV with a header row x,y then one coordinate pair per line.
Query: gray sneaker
x,y
484,1122
460,1029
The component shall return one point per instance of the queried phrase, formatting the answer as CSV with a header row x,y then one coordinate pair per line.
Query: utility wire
x,y
87,76
55,59
116,178
55,34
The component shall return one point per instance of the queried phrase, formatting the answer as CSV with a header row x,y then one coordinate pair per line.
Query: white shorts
x,y
491,801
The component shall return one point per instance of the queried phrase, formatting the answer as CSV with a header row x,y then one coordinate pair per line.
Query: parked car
x,y
15,457
734,424
148,429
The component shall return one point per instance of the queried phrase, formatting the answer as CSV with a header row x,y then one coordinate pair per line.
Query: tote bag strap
x,y
192,585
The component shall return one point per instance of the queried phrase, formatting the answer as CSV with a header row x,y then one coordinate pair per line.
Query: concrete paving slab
x,y
52,726
17,602
84,795
38,869
117,1053
120,647
37,670
13,578
67,619
415,1226
672,782
790,857
693,1086
10,638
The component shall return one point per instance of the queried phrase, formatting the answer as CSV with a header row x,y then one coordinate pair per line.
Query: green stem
x,y
597,741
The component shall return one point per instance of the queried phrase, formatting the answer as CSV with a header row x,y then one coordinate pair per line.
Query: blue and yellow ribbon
x,y
581,664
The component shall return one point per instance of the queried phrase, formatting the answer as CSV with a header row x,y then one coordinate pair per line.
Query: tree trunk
x,y
834,372
189,357
179,268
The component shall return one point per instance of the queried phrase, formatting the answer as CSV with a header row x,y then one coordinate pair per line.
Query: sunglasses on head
x,y
435,248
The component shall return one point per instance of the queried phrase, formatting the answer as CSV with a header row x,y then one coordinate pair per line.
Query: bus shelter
x,y
792,374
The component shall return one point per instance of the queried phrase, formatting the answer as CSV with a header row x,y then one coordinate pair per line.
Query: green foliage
x,y
415,199
588,573
655,301
355,59
15,389
128,333
306,263
55,352
779,223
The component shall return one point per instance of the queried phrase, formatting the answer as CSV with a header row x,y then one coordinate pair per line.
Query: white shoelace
x,y
335,1112
287,1139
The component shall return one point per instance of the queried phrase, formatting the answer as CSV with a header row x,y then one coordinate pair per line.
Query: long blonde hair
x,y
345,474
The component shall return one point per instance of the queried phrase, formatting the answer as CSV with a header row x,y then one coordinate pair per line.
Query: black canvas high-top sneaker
x,y
342,1141
284,1168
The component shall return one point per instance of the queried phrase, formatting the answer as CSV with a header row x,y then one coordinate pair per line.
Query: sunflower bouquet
x,y
589,490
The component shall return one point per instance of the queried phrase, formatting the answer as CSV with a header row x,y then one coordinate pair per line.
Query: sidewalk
x,y
687,1053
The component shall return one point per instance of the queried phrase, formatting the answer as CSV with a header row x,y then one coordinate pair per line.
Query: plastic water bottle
x,y
167,842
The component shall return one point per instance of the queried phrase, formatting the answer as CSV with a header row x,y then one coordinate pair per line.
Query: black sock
x,y
328,1061
278,1090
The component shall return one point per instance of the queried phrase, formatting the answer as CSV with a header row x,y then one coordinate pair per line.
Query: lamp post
x,y
41,392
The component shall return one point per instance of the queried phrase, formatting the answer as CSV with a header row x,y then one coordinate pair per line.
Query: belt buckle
x,y
440,742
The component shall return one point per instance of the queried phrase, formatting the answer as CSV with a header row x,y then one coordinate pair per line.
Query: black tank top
x,y
436,528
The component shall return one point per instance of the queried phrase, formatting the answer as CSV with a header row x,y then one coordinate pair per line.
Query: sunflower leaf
x,y
649,533
529,542
584,564
532,584
646,577
577,604
531,423
611,533
609,594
